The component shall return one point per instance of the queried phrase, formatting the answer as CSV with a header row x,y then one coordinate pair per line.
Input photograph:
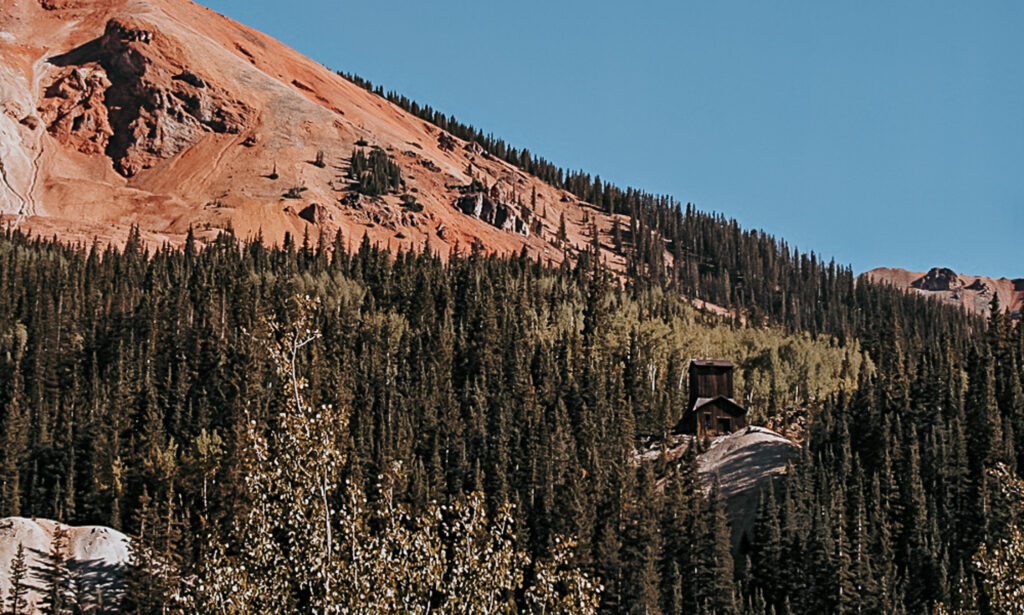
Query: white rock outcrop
x,y
98,557
741,465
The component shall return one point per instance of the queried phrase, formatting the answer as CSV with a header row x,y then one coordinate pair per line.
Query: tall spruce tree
x,y
57,578
17,592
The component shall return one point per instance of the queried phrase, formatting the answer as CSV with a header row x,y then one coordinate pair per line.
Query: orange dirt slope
x,y
166,115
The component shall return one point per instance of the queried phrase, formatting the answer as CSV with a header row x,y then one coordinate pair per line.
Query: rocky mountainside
x,y
97,557
972,292
166,115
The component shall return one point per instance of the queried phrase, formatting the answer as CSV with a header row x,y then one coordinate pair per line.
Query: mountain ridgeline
x,y
701,255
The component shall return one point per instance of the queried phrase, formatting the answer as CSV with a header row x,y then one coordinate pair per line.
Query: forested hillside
x,y
449,396
703,255
131,380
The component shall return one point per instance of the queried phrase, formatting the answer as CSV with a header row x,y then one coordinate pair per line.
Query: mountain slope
x,y
970,292
166,115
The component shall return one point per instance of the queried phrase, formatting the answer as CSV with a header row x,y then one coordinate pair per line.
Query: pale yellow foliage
x,y
1002,566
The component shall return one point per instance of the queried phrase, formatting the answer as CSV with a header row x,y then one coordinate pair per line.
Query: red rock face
x,y
970,292
74,110
60,5
164,115
315,214
120,96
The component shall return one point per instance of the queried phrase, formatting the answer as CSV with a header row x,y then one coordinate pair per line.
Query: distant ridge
x,y
971,292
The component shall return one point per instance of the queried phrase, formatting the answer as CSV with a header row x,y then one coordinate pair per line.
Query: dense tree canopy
x,y
129,382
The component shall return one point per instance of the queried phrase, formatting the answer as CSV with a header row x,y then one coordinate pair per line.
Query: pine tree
x,y
374,174
13,436
17,592
894,383
881,543
57,579
822,568
716,592
678,530
862,573
984,429
672,583
153,580
641,548
767,567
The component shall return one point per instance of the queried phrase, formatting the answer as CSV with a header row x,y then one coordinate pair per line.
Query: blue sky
x,y
877,133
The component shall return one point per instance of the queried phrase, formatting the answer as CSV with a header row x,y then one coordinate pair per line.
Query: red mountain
x,y
166,115
971,292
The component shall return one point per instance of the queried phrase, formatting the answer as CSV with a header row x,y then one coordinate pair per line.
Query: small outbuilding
x,y
712,411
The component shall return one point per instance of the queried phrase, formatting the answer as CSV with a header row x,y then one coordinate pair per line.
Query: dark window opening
x,y
725,425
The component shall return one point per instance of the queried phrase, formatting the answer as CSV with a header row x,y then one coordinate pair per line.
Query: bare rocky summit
x,y
971,292
938,279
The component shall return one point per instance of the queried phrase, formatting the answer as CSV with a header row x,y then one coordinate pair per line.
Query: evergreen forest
x,y
307,429
493,405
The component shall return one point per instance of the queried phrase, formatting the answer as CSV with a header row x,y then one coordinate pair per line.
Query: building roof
x,y
703,401
710,363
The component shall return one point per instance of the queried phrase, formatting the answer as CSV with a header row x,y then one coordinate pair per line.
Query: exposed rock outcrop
x,y
76,112
316,214
492,206
739,466
939,279
445,142
977,285
970,292
61,5
121,96
98,557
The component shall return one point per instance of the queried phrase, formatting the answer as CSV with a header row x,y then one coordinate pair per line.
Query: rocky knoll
x,y
739,466
126,95
971,292
98,556
494,207
938,279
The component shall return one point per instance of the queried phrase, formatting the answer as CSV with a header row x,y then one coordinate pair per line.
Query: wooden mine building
x,y
712,410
